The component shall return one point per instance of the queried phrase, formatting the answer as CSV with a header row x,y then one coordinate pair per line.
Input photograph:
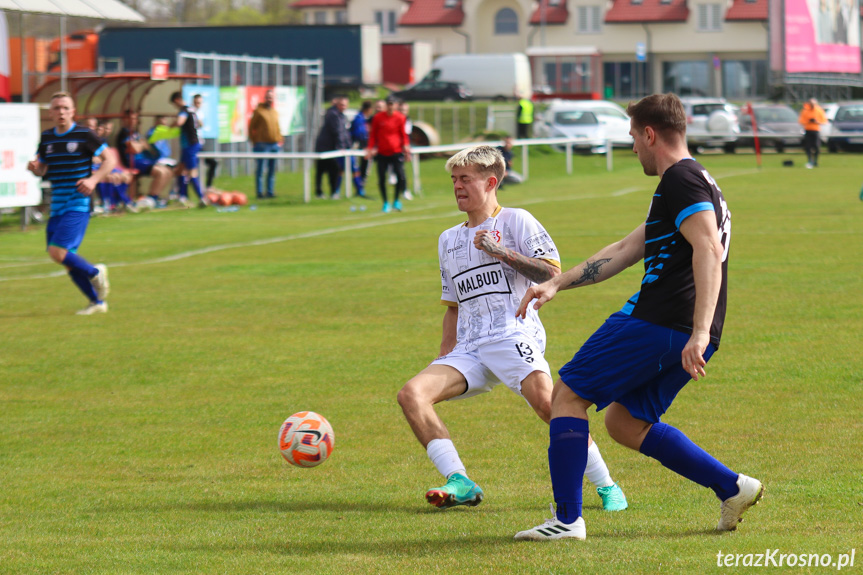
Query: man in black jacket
x,y
333,136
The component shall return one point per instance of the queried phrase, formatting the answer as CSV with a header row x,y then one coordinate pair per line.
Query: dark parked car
x,y
434,90
777,127
846,133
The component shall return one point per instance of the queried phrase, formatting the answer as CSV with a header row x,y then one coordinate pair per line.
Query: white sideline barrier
x,y
568,143
416,153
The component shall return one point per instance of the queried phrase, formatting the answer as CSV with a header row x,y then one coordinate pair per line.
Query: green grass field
x,y
144,441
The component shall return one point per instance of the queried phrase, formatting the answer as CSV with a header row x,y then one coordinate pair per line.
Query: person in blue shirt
x,y
65,159
190,146
637,362
360,136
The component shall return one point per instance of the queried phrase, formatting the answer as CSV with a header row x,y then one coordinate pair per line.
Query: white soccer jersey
x,y
486,290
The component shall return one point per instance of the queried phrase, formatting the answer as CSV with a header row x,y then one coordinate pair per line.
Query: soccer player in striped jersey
x,y
65,158
642,356
486,266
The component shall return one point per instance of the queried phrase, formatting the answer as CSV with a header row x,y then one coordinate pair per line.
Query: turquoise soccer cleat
x,y
613,498
459,490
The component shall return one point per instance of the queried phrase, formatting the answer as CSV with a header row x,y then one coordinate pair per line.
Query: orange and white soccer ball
x,y
306,439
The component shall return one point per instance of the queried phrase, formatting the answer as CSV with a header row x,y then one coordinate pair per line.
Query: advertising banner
x,y
19,141
291,106
208,114
822,36
5,73
233,122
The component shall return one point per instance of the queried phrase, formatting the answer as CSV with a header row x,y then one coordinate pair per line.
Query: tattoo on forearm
x,y
534,269
590,272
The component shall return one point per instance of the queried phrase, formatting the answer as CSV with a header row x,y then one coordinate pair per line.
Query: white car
x,y
830,110
591,123
710,123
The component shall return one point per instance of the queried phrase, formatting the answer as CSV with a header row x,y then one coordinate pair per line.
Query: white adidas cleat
x,y
733,508
93,308
100,282
554,529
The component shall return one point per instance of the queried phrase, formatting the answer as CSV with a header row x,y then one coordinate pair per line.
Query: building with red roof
x,y
699,47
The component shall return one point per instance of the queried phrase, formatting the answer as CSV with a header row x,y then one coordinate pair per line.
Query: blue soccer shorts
x,y
144,164
189,156
67,230
631,362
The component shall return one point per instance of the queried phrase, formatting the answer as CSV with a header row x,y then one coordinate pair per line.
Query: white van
x,y
496,76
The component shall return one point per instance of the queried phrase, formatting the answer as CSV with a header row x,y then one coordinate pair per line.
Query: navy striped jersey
x,y
69,157
189,129
667,295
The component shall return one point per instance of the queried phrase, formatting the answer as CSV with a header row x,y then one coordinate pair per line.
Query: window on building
x,y
687,78
386,20
743,79
589,20
320,17
709,17
626,80
450,3
342,17
505,22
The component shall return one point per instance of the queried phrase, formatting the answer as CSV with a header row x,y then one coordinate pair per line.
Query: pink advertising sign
x,y
822,36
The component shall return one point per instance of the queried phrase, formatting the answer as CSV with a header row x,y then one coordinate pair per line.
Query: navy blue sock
x,y
674,450
122,193
567,459
183,186
76,262
83,282
196,183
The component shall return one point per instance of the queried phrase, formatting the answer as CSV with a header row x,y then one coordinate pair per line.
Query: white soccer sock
x,y
596,470
445,457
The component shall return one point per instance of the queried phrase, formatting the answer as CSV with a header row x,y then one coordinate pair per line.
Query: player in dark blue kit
x,y
637,362
65,158
190,145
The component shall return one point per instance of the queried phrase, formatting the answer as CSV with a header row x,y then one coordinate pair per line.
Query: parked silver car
x,y
591,123
710,123
777,127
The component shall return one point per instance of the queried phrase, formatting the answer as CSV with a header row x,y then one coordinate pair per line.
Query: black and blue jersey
x,y
189,129
667,295
69,157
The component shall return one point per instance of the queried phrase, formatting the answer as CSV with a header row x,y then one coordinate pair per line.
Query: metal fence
x,y
454,123
225,70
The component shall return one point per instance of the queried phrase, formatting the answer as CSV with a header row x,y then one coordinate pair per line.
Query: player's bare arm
x,y
700,231
450,331
606,263
535,269
87,185
37,168
590,272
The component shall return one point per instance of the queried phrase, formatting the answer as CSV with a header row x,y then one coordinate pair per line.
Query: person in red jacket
x,y
390,146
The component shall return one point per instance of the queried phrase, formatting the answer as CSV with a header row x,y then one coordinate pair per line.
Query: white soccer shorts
x,y
509,361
